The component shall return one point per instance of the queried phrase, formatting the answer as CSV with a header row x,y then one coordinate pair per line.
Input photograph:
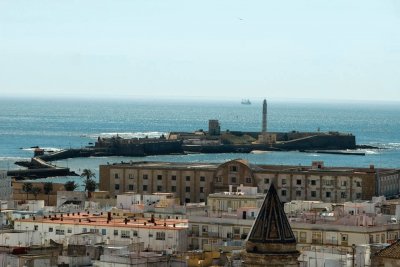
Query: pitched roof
x,y
272,225
392,251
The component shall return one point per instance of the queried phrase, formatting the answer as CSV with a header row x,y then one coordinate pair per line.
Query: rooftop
x,y
94,220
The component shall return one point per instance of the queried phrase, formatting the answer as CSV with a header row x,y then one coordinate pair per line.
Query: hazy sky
x,y
322,49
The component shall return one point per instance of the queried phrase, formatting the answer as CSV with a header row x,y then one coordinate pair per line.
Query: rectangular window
x,y
344,183
116,176
173,177
134,233
313,182
69,230
358,184
160,236
188,178
115,232
344,239
35,227
145,187
125,234
266,181
145,176
130,187
283,181
316,238
59,231
159,177
173,188
159,188
116,186
298,193
298,181
130,176
343,195
313,193
84,230
358,195
233,180
248,180
50,229
328,194
303,237
201,189
188,189
202,179
233,168
283,193
103,231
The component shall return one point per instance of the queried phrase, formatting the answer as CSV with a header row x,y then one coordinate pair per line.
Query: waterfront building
x,y
193,182
214,128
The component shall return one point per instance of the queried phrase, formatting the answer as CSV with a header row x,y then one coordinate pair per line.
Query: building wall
x,y
5,186
292,182
187,185
154,238
21,196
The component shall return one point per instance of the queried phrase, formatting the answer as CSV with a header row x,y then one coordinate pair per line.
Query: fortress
x,y
212,141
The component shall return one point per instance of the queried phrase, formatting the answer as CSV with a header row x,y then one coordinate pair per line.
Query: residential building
x,y
156,235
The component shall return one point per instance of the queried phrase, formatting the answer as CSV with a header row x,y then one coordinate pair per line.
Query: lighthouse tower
x,y
264,117
264,137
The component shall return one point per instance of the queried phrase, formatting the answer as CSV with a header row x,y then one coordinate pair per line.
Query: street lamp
x,y
353,248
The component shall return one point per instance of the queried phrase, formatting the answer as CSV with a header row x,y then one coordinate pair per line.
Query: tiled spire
x,y
272,225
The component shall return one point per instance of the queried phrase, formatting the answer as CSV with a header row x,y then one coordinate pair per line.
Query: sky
x,y
217,49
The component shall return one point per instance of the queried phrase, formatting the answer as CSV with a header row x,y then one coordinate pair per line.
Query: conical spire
x,y
271,225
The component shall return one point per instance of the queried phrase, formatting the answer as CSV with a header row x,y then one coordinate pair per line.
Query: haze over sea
x,y
57,124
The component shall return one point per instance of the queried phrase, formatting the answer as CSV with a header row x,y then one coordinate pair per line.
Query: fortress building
x,y
271,241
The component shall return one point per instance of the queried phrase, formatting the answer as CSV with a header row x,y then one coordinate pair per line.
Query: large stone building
x,y
193,182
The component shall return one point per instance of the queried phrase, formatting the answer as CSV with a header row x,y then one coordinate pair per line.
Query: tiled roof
x,y
272,225
392,251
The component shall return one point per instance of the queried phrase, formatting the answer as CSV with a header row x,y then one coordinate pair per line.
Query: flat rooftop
x,y
93,220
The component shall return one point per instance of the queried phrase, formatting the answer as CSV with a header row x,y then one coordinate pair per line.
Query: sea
x,y
55,124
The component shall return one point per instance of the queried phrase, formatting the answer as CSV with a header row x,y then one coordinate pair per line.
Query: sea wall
x,y
324,142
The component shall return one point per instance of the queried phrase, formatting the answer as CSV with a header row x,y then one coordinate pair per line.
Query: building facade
x,y
155,235
193,182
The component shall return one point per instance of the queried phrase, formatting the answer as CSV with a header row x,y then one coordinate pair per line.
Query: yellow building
x,y
193,182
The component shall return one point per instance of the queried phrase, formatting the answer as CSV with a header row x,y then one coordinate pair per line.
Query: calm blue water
x,y
57,124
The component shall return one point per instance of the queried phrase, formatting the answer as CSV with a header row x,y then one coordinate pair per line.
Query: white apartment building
x,y
156,235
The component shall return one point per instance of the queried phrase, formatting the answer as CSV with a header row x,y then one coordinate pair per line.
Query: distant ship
x,y
246,102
